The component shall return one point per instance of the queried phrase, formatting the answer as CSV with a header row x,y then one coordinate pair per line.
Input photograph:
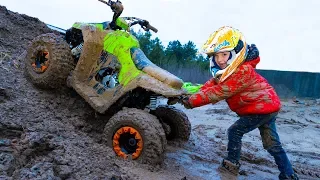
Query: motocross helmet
x,y
225,39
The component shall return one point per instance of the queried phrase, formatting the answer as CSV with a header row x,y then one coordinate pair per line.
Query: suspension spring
x,y
77,50
153,102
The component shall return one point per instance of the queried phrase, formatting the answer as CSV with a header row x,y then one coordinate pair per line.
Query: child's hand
x,y
185,102
173,100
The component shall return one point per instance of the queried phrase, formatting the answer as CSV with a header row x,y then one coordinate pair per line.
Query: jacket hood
x,y
252,62
253,56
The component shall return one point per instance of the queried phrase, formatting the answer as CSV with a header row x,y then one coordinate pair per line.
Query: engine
x,y
75,40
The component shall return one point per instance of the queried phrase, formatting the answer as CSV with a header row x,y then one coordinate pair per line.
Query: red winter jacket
x,y
246,92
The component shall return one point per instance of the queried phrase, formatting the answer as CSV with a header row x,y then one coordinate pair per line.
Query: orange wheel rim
x,y
41,62
127,141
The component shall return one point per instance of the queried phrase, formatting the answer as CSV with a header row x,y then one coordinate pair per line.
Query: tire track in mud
x,y
310,155
47,144
303,169
9,136
50,145
307,173
304,172
200,141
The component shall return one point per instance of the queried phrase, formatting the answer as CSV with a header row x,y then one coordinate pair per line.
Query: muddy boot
x,y
285,177
229,167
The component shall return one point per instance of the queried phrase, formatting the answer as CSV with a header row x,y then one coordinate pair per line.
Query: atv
x,y
103,63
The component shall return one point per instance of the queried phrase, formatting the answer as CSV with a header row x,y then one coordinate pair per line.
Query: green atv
x,y
103,63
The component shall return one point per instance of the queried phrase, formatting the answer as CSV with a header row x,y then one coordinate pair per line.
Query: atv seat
x,y
145,65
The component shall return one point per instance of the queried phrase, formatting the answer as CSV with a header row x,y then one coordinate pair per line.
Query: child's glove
x,y
185,102
173,100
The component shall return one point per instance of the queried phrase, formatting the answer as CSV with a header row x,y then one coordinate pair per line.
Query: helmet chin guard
x,y
226,39
238,60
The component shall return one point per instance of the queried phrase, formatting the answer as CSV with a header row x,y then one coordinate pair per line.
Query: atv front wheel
x,y
136,134
48,61
174,121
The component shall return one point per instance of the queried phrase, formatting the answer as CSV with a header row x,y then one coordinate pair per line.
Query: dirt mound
x,y
48,134
17,30
44,135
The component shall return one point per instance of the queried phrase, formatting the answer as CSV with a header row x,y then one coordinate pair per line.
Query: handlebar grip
x,y
104,2
117,7
152,28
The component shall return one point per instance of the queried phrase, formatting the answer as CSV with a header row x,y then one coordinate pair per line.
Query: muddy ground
x,y
56,135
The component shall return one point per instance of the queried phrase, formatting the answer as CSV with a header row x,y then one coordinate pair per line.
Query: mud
x,y
59,63
57,135
154,139
101,98
296,125
16,30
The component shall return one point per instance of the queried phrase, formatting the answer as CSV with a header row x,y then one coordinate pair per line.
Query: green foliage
x,y
181,59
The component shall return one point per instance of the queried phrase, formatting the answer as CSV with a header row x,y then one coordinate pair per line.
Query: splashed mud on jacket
x,y
245,91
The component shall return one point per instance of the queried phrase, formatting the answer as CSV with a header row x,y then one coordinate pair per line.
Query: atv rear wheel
x,y
48,61
174,121
136,134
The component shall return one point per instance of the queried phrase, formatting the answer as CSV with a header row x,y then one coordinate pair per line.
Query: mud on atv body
x,y
112,73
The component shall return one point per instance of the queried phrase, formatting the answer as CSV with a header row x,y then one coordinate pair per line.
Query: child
x,y
247,93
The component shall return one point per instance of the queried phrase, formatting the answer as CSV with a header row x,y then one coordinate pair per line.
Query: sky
x,y
287,32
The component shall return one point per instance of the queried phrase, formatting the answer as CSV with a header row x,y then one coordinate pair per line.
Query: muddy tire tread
x,y
61,61
149,127
180,120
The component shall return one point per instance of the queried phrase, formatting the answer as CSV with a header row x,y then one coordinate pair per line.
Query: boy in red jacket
x,y
232,63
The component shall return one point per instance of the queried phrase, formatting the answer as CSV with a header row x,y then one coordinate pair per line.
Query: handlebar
x,y
145,25
117,8
148,26
107,3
